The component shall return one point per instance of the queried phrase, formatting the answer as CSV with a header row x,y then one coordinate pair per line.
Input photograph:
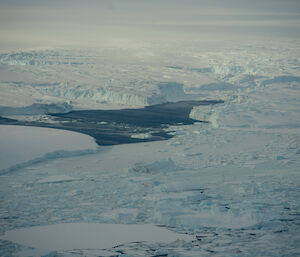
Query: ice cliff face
x,y
171,91
131,78
206,113
161,92
84,80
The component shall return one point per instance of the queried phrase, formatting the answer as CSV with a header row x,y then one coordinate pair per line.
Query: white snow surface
x,y
84,79
21,145
72,236
232,182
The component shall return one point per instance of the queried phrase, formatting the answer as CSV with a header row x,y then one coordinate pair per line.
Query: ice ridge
x,y
49,156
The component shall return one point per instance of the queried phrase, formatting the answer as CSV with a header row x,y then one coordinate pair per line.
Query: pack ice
x,y
231,183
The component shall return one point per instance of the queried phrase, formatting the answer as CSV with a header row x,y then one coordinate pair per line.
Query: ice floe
x,y
71,236
21,145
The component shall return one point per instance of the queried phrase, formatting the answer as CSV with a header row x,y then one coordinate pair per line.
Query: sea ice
x,y
233,182
21,145
56,179
71,236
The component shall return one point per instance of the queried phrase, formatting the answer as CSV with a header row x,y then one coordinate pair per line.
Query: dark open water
x,y
112,127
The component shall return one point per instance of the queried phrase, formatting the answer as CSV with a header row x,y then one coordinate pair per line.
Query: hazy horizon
x,y
32,23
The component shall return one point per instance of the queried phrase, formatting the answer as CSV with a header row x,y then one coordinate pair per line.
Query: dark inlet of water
x,y
112,127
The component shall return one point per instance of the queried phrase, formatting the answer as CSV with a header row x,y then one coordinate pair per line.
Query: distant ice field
x,y
232,183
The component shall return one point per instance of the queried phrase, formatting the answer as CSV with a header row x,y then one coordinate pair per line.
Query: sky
x,y
46,23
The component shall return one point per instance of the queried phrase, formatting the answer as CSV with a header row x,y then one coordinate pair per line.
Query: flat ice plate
x,y
69,236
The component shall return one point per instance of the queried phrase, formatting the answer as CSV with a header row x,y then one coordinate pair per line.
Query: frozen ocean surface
x,y
230,202
21,145
70,236
232,184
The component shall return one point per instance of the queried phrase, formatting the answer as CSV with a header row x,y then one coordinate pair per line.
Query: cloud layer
x,y
92,22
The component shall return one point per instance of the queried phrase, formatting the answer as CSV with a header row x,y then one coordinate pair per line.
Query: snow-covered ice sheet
x,y
94,79
72,236
236,192
21,145
232,183
272,107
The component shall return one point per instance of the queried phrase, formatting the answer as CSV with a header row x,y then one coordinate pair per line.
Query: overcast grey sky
x,y
91,22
